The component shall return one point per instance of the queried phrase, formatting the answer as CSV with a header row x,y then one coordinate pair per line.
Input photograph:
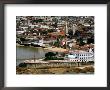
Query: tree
x,y
81,42
70,34
50,54
54,25
22,39
50,30
44,32
77,33
39,20
90,40
22,65
57,43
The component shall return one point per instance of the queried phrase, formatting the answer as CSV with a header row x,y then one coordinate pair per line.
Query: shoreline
x,y
18,45
52,49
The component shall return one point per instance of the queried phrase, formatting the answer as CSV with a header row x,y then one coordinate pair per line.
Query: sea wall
x,y
51,65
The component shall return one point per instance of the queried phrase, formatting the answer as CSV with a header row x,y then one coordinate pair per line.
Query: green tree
x,y
22,39
81,43
44,32
50,54
50,30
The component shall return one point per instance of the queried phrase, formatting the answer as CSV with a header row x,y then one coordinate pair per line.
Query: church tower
x,y
74,28
66,27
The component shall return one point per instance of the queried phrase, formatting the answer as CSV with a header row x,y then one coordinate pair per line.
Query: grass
x,y
53,70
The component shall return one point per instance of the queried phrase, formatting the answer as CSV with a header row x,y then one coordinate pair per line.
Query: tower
x,y
74,29
66,28
90,50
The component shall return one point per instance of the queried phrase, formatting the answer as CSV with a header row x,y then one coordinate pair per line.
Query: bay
x,y
28,53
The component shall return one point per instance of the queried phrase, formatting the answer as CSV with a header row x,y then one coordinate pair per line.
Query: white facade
x,y
19,32
32,26
80,56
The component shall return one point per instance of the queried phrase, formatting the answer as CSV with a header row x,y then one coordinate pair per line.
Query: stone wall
x,y
48,65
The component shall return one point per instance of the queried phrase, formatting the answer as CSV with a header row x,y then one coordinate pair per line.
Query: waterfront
x,y
29,53
54,44
24,53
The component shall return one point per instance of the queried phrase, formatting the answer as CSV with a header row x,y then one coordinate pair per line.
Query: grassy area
x,y
59,70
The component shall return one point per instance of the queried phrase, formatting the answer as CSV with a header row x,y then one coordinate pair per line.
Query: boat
x,y
25,43
38,43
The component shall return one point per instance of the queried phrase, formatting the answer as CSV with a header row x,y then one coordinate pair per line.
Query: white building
x,y
32,26
19,32
80,56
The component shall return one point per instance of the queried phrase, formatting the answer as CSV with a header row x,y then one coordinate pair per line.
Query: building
x,y
80,56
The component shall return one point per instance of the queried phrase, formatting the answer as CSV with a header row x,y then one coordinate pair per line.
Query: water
x,y
24,53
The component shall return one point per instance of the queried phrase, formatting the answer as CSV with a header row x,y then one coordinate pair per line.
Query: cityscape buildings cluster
x,y
75,34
